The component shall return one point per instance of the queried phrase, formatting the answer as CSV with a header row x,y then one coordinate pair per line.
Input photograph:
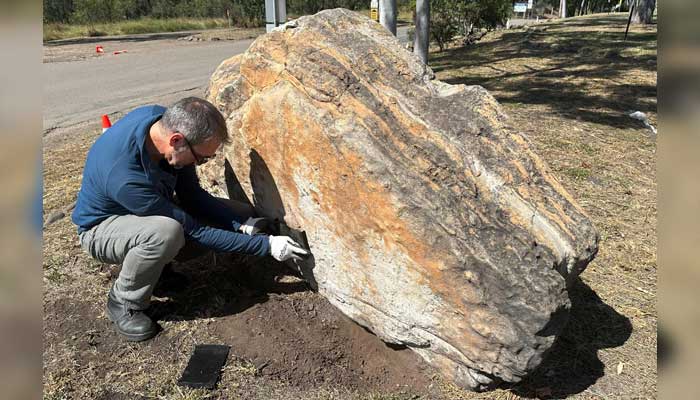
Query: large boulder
x,y
431,221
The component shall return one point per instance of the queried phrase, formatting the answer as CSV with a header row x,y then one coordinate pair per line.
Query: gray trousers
x,y
143,245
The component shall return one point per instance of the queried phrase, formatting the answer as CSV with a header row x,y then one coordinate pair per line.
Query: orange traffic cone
x,y
106,123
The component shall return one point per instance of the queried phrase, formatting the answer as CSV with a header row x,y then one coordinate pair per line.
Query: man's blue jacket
x,y
121,179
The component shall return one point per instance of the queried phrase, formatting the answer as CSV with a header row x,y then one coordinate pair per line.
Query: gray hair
x,y
196,119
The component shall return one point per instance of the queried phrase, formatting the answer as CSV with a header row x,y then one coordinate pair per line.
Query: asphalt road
x,y
78,92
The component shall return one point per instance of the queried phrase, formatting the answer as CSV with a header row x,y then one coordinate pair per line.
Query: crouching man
x,y
140,202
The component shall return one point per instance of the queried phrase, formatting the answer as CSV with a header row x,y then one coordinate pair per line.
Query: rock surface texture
x,y
431,221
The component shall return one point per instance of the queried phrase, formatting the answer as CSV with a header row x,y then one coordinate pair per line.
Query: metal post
x,y
275,13
422,39
562,8
387,15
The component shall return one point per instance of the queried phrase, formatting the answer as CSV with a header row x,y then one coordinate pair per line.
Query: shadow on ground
x,y
223,285
561,68
572,364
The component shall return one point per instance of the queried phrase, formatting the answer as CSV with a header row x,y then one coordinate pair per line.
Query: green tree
x,y
163,8
481,14
451,17
248,12
92,11
131,9
57,10
444,21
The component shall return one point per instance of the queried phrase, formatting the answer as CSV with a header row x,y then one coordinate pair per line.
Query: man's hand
x,y
254,225
282,248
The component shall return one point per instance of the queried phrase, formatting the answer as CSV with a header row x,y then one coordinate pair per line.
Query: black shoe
x,y
170,281
134,325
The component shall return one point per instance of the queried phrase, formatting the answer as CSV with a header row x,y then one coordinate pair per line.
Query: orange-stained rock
x,y
431,221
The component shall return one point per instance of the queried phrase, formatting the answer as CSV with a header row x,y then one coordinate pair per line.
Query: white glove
x,y
253,225
282,248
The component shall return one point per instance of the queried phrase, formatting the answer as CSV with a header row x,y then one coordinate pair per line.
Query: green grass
x,y
405,15
143,25
577,173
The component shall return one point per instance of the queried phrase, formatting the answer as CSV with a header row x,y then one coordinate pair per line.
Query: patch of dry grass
x,y
58,31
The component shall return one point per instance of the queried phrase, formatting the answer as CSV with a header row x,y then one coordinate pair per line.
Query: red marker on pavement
x,y
99,49
106,123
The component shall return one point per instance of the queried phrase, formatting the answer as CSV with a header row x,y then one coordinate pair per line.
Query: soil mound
x,y
303,340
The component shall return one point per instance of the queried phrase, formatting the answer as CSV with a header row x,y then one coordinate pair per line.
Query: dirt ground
x,y
568,89
283,337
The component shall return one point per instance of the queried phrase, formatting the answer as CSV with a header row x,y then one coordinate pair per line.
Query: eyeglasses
x,y
197,158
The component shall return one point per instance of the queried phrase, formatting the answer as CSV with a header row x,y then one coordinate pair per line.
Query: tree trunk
x,y
643,11
422,39
387,15
562,8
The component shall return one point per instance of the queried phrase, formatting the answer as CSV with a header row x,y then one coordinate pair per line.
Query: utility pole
x,y
275,13
387,15
422,37
562,8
